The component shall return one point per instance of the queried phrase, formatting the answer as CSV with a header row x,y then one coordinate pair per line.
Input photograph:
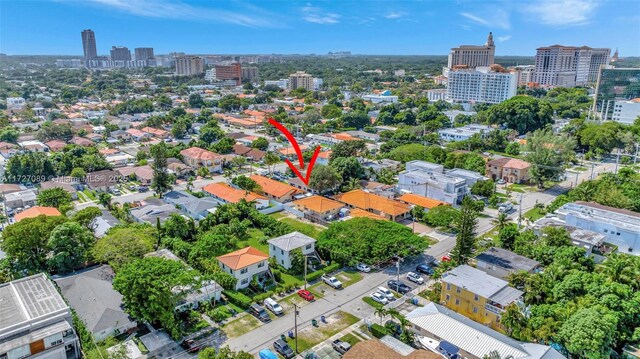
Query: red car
x,y
446,259
306,295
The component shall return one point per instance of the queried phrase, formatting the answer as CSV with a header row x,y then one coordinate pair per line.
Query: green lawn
x,y
290,279
372,302
348,277
254,240
351,339
278,215
305,228
241,326
89,194
516,188
533,214
312,336
431,240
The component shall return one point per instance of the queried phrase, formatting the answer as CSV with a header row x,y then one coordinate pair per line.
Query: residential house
x,y
477,295
227,194
64,185
82,142
22,199
196,157
511,170
37,211
281,247
191,298
91,295
463,133
361,213
155,132
252,154
56,145
620,227
501,263
318,207
387,347
382,206
245,264
190,205
102,224
137,135
430,180
373,137
35,321
178,168
10,188
33,146
103,181
435,324
373,167
276,190
143,174
290,152
424,202
151,210
323,158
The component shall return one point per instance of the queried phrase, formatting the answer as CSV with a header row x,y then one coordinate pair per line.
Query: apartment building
x,y
626,112
473,55
35,322
250,73
430,180
481,85
477,295
281,247
569,66
189,65
511,170
143,53
227,73
300,79
524,74
120,53
463,133
621,227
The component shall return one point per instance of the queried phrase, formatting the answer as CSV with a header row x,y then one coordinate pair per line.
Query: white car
x,y
378,297
386,293
363,268
415,277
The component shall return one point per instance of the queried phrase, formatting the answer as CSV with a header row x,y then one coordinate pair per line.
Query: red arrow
x,y
296,147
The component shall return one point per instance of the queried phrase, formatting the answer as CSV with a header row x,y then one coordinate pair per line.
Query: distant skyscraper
x,y
472,55
120,53
89,44
189,65
614,86
301,79
144,53
484,85
569,66
249,73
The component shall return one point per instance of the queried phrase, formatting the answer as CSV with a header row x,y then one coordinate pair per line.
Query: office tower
x,y
300,79
89,44
120,53
189,65
615,85
569,66
231,72
250,73
144,53
472,55
484,84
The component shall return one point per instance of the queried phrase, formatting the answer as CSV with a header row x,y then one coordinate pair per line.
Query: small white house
x,y
280,247
244,264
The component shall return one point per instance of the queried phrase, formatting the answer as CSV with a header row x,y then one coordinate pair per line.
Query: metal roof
x,y
507,260
291,241
474,280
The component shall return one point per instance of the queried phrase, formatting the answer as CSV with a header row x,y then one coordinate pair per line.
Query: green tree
x,y
161,182
348,168
548,153
521,113
124,244
508,235
245,183
70,245
324,179
176,226
54,197
353,148
513,149
442,216
483,188
297,261
80,173
86,216
260,143
331,111
271,159
589,332
466,237
195,101
151,288
209,245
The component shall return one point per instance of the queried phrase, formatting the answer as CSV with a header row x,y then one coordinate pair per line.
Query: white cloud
x,y
562,12
504,38
394,15
492,18
317,16
178,10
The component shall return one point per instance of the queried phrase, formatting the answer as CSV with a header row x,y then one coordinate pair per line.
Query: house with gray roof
x,y
281,247
152,210
190,205
91,294
103,223
474,340
501,263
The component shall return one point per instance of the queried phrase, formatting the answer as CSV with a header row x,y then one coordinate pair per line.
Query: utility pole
x,y
617,160
635,158
577,173
592,165
295,325
520,212
305,272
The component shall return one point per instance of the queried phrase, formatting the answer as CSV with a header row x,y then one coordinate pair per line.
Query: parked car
x,y
190,345
394,327
431,260
116,192
132,188
283,348
446,259
332,281
306,295
260,313
505,207
379,297
363,268
273,306
386,292
143,189
340,346
398,286
415,277
424,269
501,181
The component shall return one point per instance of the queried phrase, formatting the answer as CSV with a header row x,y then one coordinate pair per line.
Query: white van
x,y
273,306
386,292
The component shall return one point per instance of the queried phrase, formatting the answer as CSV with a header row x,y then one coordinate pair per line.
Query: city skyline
x,y
375,27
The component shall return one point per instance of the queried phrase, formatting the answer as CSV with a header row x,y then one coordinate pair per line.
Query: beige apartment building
x,y
301,79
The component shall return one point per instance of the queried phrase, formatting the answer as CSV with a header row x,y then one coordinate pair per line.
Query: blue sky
x,y
362,27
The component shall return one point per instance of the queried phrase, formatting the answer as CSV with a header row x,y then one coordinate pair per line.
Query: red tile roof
x,y
35,212
243,258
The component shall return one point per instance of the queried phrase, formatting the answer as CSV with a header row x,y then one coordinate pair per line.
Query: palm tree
x,y
407,336
501,221
620,268
393,312
380,312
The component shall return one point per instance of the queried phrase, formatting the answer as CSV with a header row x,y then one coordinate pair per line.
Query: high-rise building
x,y
189,65
300,79
89,44
473,55
569,66
144,53
524,73
484,85
250,73
614,85
120,53
229,72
